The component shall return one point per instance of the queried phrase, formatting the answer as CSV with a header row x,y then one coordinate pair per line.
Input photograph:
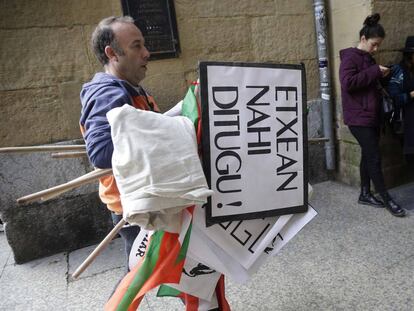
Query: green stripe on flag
x,y
167,291
183,250
189,108
144,272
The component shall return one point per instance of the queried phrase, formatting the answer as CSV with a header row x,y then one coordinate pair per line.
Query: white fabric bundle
x,y
156,166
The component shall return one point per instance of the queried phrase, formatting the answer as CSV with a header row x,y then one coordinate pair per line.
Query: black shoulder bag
x,y
388,106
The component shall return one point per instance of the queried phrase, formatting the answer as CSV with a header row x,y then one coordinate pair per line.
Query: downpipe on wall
x,y
324,78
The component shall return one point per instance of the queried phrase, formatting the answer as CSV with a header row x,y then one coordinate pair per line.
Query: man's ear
x,y
110,53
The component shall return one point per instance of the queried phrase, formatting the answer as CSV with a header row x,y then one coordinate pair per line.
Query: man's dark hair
x,y
103,36
371,27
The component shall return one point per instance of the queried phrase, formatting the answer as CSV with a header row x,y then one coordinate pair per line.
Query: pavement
x,y
349,257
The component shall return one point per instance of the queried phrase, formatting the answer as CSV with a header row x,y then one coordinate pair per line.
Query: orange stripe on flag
x,y
163,263
116,298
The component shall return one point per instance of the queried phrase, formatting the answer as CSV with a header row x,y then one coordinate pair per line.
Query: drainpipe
x,y
325,89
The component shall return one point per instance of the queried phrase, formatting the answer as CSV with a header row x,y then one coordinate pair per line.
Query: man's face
x,y
132,65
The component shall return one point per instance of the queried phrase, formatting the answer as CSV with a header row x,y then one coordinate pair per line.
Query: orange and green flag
x,y
164,259
193,303
163,263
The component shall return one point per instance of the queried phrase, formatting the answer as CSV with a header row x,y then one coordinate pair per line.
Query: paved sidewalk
x,y
350,257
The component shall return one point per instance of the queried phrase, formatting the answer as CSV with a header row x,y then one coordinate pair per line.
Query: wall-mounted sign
x,y
254,139
156,19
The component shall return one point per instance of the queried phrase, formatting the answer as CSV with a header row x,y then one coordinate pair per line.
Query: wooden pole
x,y
53,192
98,249
66,155
42,148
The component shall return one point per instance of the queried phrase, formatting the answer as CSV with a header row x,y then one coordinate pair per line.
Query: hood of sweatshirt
x,y
350,52
101,79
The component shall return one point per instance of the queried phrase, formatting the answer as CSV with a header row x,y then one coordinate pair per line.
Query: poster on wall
x,y
254,139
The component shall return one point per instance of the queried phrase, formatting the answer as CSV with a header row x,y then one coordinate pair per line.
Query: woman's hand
x,y
412,94
384,70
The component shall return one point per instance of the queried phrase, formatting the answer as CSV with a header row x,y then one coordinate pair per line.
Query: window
x,y
157,22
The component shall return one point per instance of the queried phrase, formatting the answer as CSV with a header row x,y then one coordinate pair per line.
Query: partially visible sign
x,y
216,250
244,240
157,22
139,247
254,139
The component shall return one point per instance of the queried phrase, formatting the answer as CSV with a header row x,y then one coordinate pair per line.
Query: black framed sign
x,y
254,139
157,22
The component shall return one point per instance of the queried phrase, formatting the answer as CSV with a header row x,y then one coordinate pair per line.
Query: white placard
x,y
254,139
244,240
211,252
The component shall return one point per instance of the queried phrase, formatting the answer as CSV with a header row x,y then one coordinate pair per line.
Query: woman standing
x,y
401,88
359,76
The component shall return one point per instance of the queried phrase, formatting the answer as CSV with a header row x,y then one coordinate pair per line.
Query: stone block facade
x,y
73,220
346,18
46,58
46,55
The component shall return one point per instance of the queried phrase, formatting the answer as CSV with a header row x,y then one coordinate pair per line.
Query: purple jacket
x,y
359,76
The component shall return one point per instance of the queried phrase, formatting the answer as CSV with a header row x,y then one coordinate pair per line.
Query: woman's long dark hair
x,y
371,28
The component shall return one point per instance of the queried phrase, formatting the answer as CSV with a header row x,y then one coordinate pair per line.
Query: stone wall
x,y
344,34
397,21
45,59
75,219
346,18
230,30
46,56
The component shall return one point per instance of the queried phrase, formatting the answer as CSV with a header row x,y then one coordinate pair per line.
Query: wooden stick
x,y
50,196
66,155
41,148
98,249
50,193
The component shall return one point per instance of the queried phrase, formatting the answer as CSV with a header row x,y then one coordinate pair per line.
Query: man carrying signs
x,y
119,45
